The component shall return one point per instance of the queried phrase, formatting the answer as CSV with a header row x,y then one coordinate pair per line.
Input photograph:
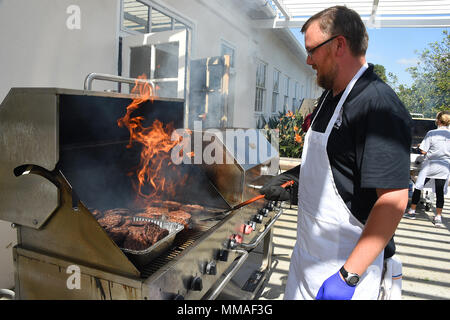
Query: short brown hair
x,y
340,20
444,118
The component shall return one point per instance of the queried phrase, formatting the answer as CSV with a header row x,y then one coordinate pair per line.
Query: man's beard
x,y
326,80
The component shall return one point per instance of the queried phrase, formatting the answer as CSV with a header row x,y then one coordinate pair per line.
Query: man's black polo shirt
x,y
371,147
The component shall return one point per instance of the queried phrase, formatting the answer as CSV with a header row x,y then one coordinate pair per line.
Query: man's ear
x,y
341,46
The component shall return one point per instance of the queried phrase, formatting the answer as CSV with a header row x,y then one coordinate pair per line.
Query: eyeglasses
x,y
311,51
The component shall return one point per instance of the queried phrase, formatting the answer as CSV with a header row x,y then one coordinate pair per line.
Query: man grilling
x,y
353,181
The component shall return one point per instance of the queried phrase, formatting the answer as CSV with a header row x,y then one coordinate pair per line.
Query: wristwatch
x,y
352,279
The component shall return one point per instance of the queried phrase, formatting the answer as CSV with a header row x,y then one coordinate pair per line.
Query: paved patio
x,y
423,249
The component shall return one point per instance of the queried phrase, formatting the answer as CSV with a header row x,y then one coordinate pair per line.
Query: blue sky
x,y
394,48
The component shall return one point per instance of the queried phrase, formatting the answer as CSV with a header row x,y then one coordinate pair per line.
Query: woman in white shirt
x,y
436,166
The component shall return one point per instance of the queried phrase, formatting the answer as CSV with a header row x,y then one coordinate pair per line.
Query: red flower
x,y
307,122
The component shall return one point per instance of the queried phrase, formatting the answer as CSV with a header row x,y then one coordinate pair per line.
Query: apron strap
x,y
344,96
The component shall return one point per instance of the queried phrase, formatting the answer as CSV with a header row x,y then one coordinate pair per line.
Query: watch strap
x,y
351,279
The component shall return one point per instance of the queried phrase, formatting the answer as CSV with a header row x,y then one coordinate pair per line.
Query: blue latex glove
x,y
335,288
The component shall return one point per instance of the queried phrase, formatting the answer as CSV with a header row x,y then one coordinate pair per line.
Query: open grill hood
x,y
63,155
76,133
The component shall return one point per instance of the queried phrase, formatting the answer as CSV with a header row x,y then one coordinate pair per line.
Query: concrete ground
x,y
423,249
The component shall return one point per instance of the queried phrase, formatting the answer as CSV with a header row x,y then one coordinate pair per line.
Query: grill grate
x,y
183,241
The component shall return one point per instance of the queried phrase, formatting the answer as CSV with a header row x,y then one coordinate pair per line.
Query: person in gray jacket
x,y
436,166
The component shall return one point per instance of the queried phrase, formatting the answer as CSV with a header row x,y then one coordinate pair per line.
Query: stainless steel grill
x,y
63,155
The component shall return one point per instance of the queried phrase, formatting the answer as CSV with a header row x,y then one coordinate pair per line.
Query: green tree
x,y
380,71
430,91
391,79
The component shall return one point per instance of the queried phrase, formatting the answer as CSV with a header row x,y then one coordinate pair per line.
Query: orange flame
x,y
156,143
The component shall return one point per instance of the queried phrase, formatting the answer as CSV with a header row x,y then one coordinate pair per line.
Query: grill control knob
x,y
232,244
211,268
264,212
223,255
196,284
249,227
270,206
234,240
258,218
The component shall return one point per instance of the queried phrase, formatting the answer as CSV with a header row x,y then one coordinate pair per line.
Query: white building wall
x,y
57,42
52,43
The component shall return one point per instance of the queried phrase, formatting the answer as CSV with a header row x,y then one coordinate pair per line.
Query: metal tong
x,y
221,215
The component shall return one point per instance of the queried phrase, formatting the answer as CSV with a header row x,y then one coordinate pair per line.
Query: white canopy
x,y
375,13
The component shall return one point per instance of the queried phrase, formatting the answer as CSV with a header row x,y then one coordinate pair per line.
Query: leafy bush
x,y
291,135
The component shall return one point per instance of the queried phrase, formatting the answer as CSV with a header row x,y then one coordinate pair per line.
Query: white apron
x,y
391,284
431,169
438,167
327,231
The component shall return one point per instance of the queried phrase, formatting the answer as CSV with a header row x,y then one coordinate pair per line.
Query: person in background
x,y
354,175
436,166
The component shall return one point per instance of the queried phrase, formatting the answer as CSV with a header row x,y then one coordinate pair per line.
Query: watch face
x,y
353,280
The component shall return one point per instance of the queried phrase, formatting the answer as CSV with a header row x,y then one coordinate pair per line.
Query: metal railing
x,y
113,78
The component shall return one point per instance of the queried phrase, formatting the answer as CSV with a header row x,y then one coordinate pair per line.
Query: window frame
x,y
175,18
260,90
287,80
296,95
225,43
275,90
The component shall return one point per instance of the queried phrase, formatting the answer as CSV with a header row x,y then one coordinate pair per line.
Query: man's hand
x,y
273,190
335,288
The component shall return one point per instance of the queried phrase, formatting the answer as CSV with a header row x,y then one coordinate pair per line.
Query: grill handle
x,y
109,77
219,288
52,176
35,169
254,243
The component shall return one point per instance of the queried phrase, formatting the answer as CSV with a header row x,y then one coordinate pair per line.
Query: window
x,y
144,18
160,22
276,90
162,55
295,99
260,86
135,16
178,25
227,49
286,93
